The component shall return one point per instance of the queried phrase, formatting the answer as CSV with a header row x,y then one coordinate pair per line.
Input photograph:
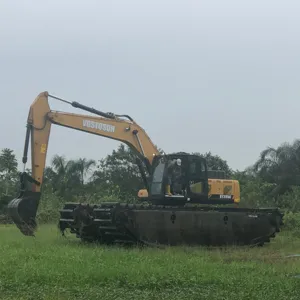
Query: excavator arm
x,y
40,119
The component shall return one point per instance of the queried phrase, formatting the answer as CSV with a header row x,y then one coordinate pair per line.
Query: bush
x,y
48,211
292,221
254,193
290,200
4,200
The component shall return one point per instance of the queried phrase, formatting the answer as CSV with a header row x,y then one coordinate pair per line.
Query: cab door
x,y
197,180
157,186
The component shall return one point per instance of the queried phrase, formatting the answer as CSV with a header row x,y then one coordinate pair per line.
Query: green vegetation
x,y
52,267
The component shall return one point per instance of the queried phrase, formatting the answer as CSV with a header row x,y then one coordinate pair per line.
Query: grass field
x,y
51,267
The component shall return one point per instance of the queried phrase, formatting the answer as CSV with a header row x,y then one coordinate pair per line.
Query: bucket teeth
x,y
26,229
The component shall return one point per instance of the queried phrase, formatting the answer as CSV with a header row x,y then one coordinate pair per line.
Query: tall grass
x,y
52,267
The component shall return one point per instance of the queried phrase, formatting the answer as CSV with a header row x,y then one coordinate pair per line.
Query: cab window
x,y
157,178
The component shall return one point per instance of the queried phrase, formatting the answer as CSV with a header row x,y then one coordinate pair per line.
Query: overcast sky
x,y
219,76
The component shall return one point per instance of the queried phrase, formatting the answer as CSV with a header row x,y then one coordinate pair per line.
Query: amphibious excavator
x,y
187,214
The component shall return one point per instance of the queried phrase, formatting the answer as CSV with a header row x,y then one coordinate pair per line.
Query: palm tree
x,y
280,166
67,176
8,168
62,175
82,167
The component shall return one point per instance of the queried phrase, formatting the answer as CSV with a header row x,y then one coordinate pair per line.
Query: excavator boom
x,y
40,119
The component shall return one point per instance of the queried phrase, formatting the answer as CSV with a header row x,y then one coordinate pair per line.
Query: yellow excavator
x,y
176,210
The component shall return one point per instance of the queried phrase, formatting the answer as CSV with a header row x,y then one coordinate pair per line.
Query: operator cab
x,y
177,179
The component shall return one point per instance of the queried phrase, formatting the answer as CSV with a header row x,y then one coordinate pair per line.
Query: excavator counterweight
x,y
179,200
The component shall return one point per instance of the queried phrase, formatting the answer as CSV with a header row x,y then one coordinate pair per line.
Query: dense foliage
x,y
273,180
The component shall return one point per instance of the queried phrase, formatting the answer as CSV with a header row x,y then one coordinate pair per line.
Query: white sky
x,y
219,76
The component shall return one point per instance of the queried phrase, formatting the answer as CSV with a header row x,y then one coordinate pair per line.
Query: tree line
x,y
272,180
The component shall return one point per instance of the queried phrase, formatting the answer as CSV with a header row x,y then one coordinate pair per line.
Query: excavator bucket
x,y
22,210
